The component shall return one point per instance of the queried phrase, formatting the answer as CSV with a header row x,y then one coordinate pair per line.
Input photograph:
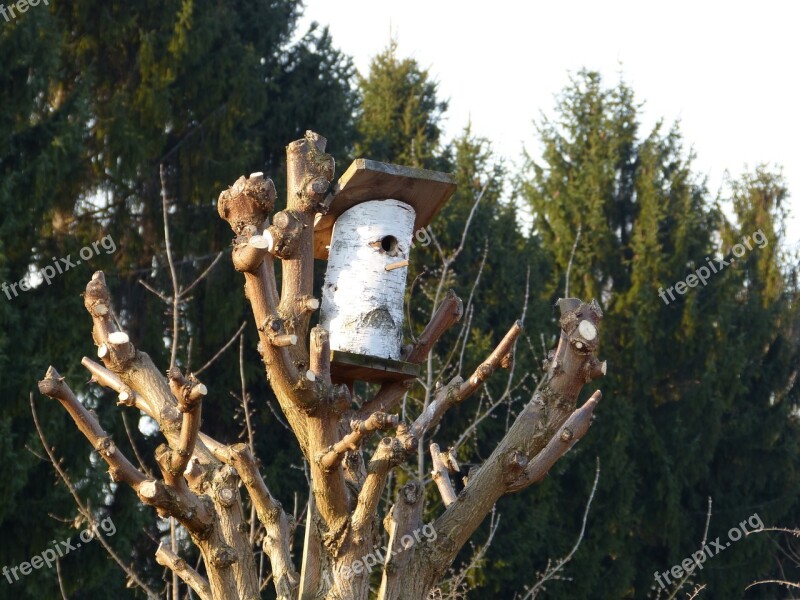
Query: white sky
x,y
727,71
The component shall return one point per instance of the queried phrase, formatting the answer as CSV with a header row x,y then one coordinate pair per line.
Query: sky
x,y
728,72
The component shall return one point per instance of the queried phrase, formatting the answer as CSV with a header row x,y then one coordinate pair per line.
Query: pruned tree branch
x,y
112,381
573,430
500,357
403,519
360,429
441,476
448,313
568,368
83,508
189,394
120,468
246,207
199,584
309,176
388,454
200,485
271,515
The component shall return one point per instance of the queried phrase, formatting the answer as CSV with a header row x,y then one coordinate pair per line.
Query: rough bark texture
x,y
200,482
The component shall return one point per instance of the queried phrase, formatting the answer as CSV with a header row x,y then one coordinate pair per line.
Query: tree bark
x,y
201,477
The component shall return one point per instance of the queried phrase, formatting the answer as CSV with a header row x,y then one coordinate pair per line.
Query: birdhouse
x,y
367,236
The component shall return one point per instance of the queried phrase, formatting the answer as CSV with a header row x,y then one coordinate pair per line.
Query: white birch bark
x,y
362,301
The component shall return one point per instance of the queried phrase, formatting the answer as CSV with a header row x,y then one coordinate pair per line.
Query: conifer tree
x,y
689,361
400,115
108,95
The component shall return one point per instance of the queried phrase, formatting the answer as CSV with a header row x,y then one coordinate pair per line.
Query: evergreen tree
x,y
400,115
110,94
494,271
700,389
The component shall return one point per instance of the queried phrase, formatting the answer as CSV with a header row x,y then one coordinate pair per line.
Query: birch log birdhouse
x,y
367,236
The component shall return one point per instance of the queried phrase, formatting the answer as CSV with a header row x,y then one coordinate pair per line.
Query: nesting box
x,y
367,236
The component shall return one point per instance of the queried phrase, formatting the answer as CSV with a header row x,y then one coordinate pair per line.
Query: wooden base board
x,y
346,366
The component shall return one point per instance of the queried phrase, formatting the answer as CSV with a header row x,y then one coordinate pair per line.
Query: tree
x,y
199,483
707,394
95,98
400,114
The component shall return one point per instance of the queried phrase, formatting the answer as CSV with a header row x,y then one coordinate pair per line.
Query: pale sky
x,y
728,71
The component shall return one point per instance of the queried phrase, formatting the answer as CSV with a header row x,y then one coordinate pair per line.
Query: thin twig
x,y
696,591
203,275
468,310
680,583
153,290
176,292
447,262
478,419
228,344
457,581
60,580
133,446
248,425
776,581
571,256
559,565
82,508
173,542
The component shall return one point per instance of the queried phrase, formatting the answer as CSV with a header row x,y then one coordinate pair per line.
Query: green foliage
x,y
700,393
95,98
400,115
494,269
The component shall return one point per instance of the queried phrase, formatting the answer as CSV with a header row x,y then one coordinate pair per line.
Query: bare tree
x,y
201,477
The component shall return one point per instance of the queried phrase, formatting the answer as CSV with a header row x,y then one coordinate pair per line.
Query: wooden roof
x,y
426,191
